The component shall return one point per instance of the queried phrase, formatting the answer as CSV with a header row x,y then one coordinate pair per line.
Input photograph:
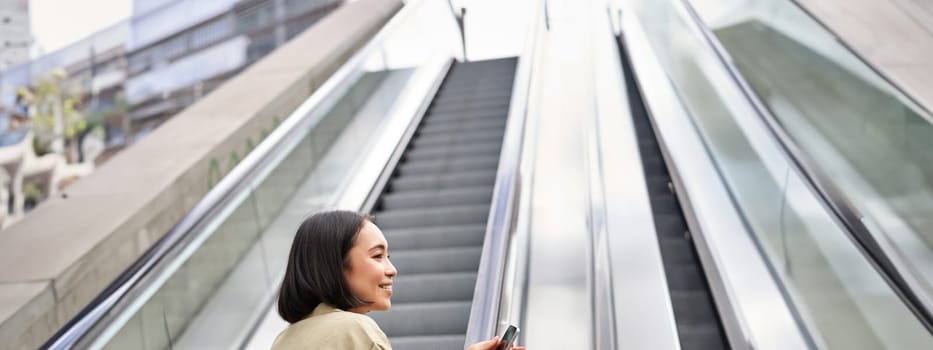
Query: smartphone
x,y
508,338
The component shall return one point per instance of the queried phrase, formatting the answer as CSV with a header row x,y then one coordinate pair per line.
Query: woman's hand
x,y
491,344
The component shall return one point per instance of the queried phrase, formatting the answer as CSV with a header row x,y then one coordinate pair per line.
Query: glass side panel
x,y
868,140
840,299
216,286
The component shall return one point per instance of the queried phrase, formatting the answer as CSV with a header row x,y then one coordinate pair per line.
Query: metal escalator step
x,y
446,151
465,138
462,126
693,307
458,118
411,218
477,104
654,166
466,115
652,157
463,155
664,204
440,260
658,184
670,226
448,165
486,97
436,237
684,278
454,129
437,182
411,319
700,337
410,288
434,198
678,251
447,134
470,109
429,342
475,88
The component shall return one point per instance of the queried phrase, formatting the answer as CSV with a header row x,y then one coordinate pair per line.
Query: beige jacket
x,y
329,328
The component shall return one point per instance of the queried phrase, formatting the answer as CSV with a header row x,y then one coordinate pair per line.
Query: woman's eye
x,y
377,256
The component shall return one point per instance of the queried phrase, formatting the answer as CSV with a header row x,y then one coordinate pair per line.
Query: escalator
x,y
698,323
434,208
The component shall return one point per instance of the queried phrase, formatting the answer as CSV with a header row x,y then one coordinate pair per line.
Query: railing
x,y
841,297
248,201
497,295
844,142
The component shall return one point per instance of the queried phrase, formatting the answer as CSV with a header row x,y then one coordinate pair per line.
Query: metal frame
x,y
504,255
625,237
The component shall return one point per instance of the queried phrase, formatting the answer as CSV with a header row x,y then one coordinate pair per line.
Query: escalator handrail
x,y
158,258
844,211
506,209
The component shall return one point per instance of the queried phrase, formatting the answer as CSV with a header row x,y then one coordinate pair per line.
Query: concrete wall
x,y
70,248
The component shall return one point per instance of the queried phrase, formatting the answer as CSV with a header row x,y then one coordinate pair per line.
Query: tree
x,y
53,108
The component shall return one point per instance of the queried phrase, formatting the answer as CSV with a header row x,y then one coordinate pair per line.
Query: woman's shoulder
x,y
334,330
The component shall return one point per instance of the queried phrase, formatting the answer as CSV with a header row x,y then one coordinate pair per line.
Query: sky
x,y
57,23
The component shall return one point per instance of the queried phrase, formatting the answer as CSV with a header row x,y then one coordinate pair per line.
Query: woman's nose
x,y
391,271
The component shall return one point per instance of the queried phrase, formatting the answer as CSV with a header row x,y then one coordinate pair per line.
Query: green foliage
x,y
47,100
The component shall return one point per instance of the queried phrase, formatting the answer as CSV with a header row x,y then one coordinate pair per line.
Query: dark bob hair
x,y
316,264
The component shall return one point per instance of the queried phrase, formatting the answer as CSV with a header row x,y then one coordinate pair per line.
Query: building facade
x,y
95,67
183,49
15,34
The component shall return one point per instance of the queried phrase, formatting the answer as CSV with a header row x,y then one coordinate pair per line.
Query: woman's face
x,y
370,273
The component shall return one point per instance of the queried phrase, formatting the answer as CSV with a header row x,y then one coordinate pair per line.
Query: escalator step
x,y
490,97
465,115
463,126
411,319
457,119
670,226
693,307
469,108
658,184
438,182
653,166
436,237
684,278
467,100
410,288
700,337
441,260
408,218
476,88
432,342
664,204
449,128
428,153
678,251
487,162
454,139
457,155
437,198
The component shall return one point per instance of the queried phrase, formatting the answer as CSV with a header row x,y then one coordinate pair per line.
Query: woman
x,y
338,270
